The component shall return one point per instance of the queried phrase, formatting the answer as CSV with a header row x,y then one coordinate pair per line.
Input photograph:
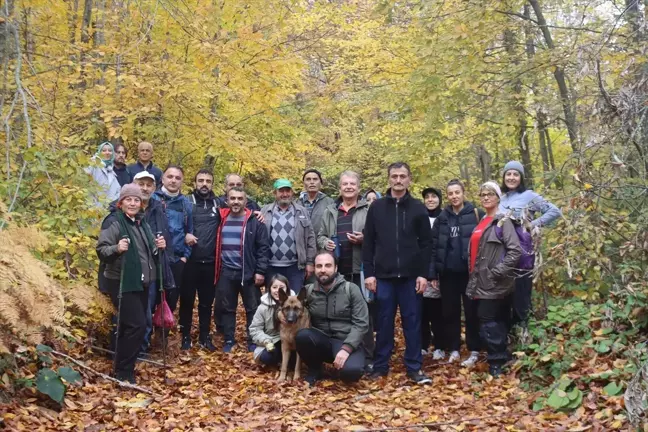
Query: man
x,y
231,181
119,165
199,274
313,199
241,263
144,163
341,233
155,216
395,255
339,321
292,239
179,216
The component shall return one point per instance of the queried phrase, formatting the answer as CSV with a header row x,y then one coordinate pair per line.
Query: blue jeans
x,y
292,273
391,293
152,294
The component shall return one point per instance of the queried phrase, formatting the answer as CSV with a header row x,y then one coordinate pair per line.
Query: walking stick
x,y
119,302
163,299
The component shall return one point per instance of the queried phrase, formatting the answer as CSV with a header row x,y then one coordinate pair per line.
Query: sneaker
x,y
229,346
377,375
454,357
419,377
206,343
186,343
368,369
438,355
472,360
424,352
313,377
251,347
495,370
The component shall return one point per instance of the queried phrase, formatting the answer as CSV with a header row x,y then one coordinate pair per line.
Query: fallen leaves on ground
x,y
218,391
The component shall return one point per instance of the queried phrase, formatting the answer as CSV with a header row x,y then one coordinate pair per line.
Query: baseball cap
x,y
282,183
143,174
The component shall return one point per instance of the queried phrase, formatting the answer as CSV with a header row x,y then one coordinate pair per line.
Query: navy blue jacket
x,y
179,217
137,167
123,175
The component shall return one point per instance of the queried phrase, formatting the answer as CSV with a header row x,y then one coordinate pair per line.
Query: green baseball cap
x,y
282,183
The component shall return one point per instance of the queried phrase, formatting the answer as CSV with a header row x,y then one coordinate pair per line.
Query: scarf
x,y
108,163
434,213
131,276
166,192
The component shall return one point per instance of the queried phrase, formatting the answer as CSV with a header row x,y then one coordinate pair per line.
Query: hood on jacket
x,y
467,208
199,198
267,300
303,196
378,194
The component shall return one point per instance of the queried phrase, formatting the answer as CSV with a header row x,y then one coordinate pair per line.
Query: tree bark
x,y
566,100
544,153
73,15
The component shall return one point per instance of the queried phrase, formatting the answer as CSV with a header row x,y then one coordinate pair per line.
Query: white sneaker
x,y
470,361
424,352
438,355
454,357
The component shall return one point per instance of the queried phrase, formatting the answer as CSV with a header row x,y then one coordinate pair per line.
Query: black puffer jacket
x,y
206,219
397,238
466,221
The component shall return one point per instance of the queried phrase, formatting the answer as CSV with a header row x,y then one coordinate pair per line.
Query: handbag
x,y
163,317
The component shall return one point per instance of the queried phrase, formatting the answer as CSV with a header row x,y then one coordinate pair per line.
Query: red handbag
x,y
163,317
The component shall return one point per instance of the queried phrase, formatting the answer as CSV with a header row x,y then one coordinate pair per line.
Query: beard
x,y
326,279
204,191
284,201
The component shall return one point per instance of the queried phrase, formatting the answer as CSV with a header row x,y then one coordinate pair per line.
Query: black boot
x,y
205,342
186,343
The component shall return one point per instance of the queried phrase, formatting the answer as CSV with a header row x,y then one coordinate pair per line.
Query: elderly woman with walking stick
x,y
127,246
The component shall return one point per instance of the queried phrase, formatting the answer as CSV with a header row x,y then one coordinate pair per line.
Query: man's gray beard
x,y
284,202
327,280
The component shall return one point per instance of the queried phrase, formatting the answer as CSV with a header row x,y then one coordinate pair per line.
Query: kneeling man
x,y
339,320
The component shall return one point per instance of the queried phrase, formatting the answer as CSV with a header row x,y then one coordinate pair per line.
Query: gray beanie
x,y
514,165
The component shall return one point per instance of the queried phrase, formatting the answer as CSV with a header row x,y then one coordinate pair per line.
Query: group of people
x,y
358,256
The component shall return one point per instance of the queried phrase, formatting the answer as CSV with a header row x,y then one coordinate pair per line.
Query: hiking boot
x,y
186,343
206,343
418,377
129,377
376,374
251,347
454,357
438,355
472,360
368,369
229,346
495,370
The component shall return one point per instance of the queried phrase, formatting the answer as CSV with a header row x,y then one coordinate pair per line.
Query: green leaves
x,y
565,397
613,389
70,375
48,382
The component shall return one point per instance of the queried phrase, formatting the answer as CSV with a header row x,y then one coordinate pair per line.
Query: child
x,y
263,330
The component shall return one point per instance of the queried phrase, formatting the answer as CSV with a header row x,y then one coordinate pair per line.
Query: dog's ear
x,y
282,296
303,293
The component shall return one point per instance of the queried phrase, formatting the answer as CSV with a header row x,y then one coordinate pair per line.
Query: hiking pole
x,y
119,303
161,258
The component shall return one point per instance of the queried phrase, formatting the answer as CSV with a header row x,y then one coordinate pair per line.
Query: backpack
x,y
527,260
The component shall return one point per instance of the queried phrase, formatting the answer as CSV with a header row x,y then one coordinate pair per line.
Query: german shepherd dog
x,y
292,310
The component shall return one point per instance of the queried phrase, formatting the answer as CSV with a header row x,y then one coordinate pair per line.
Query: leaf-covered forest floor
x,y
217,391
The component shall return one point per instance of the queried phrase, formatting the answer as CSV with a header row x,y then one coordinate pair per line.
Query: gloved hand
x,y
269,346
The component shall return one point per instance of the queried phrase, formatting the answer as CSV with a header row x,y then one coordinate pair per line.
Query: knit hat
x,y
130,190
107,162
494,187
514,165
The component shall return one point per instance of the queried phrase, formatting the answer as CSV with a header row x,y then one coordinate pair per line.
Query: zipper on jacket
x,y
243,249
397,248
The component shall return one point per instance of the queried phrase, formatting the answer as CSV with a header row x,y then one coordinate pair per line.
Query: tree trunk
x,y
73,15
566,100
544,153
552,162
86,22
484,162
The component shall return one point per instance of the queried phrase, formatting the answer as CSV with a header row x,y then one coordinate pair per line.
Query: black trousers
x,y
369,342
522,300
315,348
273,358
229,286
198,277
493,328
173,295
453,288
432,324
132,324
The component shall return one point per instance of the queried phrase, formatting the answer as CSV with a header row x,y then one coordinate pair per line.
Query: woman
x,y
371,195
494,253
127,247
263,329
432,309
520,203
104,175
450,238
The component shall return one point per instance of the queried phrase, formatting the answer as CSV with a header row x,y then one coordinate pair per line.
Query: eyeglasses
x,y
487,195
